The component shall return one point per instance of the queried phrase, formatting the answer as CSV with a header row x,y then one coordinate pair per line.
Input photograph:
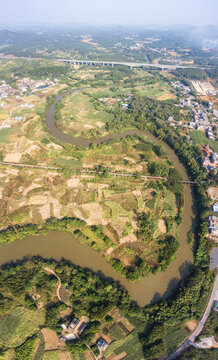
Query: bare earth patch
x,y
31,187
13,157
45,211
73,183
137,193
213,193
109,251
129,238
162,226
38,200
191,325
129,159
32,148
12,172
96,214
65,355
51,340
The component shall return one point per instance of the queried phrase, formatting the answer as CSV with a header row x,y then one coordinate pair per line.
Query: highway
x,y
109,63
192,337
129,64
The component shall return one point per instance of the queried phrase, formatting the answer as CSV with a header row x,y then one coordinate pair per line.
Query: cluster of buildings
x,y
22,86
76,328
5,90
27,84
112,101
213,223
213,226
204,88
203,118
178,85
210,159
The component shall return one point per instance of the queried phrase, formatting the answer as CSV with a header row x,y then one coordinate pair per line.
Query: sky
x,y
109,12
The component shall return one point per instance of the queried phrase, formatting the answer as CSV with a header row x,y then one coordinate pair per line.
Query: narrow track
x,y
86,171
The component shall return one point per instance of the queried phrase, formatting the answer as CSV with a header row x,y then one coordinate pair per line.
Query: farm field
x,y
18,325
87,113
128,335
35,339
160,90
79,116
114,205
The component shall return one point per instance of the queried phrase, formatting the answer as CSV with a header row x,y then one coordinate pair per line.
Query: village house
x,y
213,225
74,329
215,207
210,159
102,344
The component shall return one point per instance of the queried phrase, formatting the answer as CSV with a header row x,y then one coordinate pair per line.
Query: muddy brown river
x,y
60,244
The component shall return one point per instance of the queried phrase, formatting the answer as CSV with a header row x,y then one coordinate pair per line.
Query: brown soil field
x,y
51,340
213,193
191,325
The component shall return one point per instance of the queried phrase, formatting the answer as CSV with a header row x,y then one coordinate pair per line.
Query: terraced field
x,y
111,205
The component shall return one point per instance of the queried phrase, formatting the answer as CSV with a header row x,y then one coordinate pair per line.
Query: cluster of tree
x,y
90,296
152,341
191,73
158,169
43,72
133,273
25,351
189,297
142,109
194,354
20,231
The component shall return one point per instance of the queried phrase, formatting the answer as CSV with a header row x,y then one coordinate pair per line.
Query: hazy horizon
x,y
113,13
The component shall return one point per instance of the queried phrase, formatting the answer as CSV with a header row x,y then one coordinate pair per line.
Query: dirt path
x,y
59,282
86,171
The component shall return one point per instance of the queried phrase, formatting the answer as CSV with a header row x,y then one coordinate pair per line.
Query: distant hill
x,y
6,35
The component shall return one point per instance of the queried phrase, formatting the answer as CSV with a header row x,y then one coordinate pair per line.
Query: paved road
x,y
111,63
129,64
192,337
213,297
145,177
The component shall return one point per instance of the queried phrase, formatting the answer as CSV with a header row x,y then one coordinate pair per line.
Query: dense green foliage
x,y
191,73
90,296
196,354
25,351
19,232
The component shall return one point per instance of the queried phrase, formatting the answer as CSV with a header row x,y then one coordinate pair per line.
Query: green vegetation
x,y
115,204
78,112
191,73
24,279
25,351
20,324
211,326
196,354
199,138
161,326
4,134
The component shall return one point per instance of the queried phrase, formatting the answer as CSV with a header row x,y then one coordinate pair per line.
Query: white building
x,y
215,207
